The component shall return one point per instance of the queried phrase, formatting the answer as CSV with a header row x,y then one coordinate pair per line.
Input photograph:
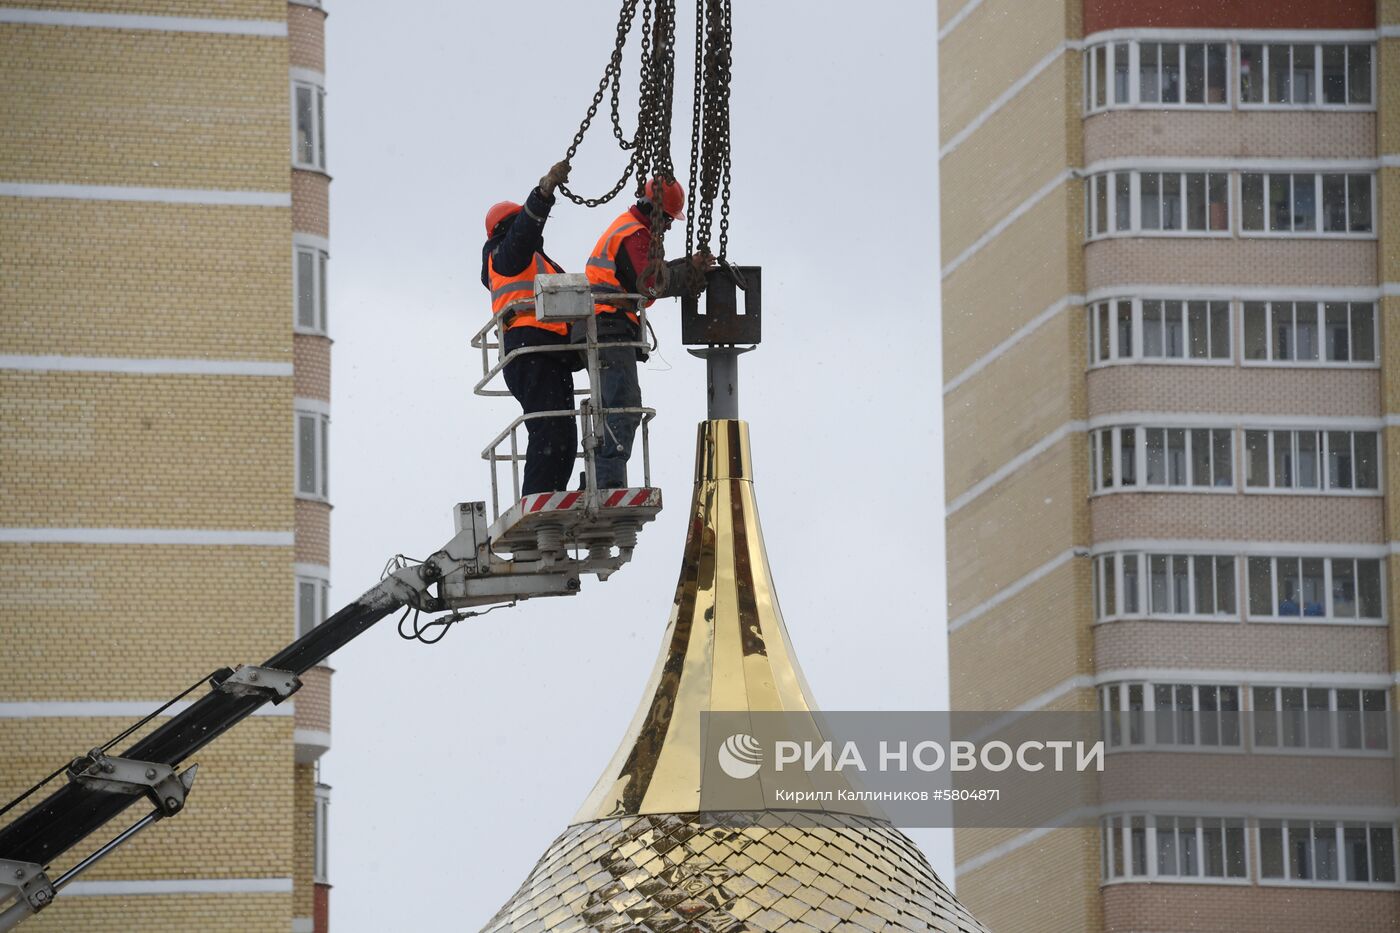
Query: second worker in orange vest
x,y
540,380
619,264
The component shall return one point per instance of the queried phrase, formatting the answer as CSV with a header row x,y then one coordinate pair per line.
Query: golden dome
x,y
643,854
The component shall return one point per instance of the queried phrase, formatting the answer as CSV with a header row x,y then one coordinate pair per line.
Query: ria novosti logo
x,y
740,756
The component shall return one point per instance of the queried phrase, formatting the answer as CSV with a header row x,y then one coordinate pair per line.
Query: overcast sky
x,y
455,766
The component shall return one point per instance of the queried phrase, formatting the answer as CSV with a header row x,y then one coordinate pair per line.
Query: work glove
x,y
558,174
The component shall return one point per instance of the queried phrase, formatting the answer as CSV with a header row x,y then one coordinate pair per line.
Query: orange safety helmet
x,y
498,213
672,196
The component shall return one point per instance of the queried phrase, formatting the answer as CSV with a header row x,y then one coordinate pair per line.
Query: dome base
x,y
736,871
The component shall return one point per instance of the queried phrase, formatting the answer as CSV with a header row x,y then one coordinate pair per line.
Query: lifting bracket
x,y
156,781
250,679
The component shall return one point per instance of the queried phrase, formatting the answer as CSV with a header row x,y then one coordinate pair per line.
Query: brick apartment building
x,y
165,391
1169,252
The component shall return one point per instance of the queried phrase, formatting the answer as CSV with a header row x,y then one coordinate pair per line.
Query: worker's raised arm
x,y
525,237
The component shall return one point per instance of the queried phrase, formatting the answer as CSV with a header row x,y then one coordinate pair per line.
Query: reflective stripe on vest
x,y
507,289
602,265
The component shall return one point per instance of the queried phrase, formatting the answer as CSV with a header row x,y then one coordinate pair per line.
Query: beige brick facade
x,y
979,680
306,37
108,450
1238,517
313,700
1226,134
144,279
245,780
135,596
1186,908
983,306
311,202
147,295
1165,644
1036,505
992,54
1070,856
205,9
995,421
312,372
313,524
303,841
1032,120
179,127
1248,261
1298,392
216,913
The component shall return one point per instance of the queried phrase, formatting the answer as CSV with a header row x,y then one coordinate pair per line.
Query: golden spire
x,y
642,854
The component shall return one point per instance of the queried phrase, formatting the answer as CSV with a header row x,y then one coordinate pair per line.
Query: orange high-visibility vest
x,y
509,288
602,265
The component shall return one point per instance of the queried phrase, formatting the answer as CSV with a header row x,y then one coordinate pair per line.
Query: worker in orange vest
x,y
619,264
540,381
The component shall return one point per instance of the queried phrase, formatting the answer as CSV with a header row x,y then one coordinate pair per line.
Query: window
x,y
1194,201
1170,714
1181,73
309,275
1106,70
1167,74
1163,848
321,866
1312,460
312,442
1288,203
1320,588
1191,331
1194,585
1310,332
308,125
1341,719
1293,75
313,602
1183,458
1327,851
1157,202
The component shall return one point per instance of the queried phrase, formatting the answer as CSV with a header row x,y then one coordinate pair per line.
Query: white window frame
x,y
1289,825
1135,74
1114,700
1137,341
1118,562
319,413
1329,616
315,83
1141,485
1113,49
1123,843
1324,487
318,578
1334,746
1270,360
1319,208
1107,182
320,870
1237,66
318,249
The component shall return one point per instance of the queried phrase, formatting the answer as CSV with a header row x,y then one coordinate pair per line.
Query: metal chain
x,y
650,145
658,98
611,78
710,145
